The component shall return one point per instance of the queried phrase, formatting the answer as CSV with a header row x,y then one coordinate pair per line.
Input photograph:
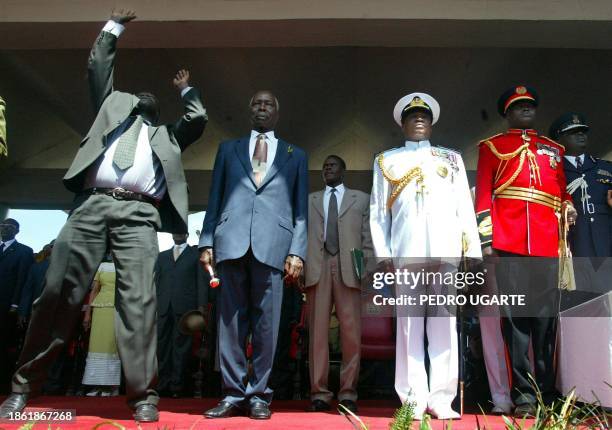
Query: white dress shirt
x,y
431,223
7,244
326,195
572,159
146,175
177,250
272,145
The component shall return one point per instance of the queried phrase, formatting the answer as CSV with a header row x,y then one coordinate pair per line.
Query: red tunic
x,y
520,188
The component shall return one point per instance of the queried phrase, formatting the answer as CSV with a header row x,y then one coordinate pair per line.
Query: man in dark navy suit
x,y
589,180
181,287
256,224
15,262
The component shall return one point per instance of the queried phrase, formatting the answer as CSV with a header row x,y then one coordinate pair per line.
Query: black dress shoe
x,y
146,413
350,405
318,406
16,402
260,411
224,410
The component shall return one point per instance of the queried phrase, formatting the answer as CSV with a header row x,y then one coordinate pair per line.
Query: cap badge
x,y
575,119
521,90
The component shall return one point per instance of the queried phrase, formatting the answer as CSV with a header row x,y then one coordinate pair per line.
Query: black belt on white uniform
x,y
122,194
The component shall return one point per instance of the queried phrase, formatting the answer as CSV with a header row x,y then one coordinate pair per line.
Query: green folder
x,y
357,257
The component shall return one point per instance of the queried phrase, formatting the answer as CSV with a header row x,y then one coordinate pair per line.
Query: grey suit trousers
x,y
128,228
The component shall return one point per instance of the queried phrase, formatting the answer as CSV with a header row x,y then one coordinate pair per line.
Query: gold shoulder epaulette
x,y
489,138
552,141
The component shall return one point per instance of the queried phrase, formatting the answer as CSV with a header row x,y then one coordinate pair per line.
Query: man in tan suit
x,y
338,221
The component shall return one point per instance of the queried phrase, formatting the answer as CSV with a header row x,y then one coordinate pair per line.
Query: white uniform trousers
x,y
410,375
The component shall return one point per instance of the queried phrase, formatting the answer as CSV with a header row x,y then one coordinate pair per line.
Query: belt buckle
x,y
118,193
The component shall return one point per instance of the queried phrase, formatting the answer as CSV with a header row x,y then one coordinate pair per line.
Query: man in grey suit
x,y
256,223
129,184
181,287
338,221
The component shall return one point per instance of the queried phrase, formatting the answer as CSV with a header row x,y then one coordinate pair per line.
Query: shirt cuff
x,y
185,91
114,28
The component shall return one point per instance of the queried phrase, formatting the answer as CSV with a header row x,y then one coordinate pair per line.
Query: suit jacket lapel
x,y
588,163
283,155
348,200
567,165
317,201
8,250
152,130
124,101
185,252
242,151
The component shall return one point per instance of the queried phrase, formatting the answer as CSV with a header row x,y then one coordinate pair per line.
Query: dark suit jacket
x,y
591,236
271,219
15,263
181,283
33,286
167,141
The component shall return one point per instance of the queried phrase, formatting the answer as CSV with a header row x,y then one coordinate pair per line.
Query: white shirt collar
x,y
269,135
410,144
8,243
572,159
339,189
182,246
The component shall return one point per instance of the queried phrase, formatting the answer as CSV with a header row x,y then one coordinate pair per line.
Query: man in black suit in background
x,y
181,287
15,262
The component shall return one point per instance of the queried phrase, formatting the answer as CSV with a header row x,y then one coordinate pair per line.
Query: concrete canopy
x,y
337,70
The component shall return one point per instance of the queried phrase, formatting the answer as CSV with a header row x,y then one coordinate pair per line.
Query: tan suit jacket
x,y
353,232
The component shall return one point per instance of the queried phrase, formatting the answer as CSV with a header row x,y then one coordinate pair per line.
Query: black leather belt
x,y
123,194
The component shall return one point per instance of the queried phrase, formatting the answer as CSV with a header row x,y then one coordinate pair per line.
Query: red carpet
x,y
178,414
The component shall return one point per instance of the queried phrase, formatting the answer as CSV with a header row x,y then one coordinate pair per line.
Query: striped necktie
x,y
260,158
578,163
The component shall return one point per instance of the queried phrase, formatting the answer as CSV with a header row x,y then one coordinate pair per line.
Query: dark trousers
x,y
129,229
536,279
249,301
173,351
8,346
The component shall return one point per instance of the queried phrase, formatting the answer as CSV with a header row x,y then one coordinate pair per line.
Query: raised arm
x,y
101,62
191,125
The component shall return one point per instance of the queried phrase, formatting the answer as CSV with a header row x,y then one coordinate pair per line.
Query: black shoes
x,y
16,402
257,411
350,405
146,413
318,406
224,410
260,411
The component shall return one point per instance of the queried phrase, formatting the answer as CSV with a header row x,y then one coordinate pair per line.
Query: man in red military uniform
x,y
520,197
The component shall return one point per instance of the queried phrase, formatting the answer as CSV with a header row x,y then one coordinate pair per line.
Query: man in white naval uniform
x,y
420,207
